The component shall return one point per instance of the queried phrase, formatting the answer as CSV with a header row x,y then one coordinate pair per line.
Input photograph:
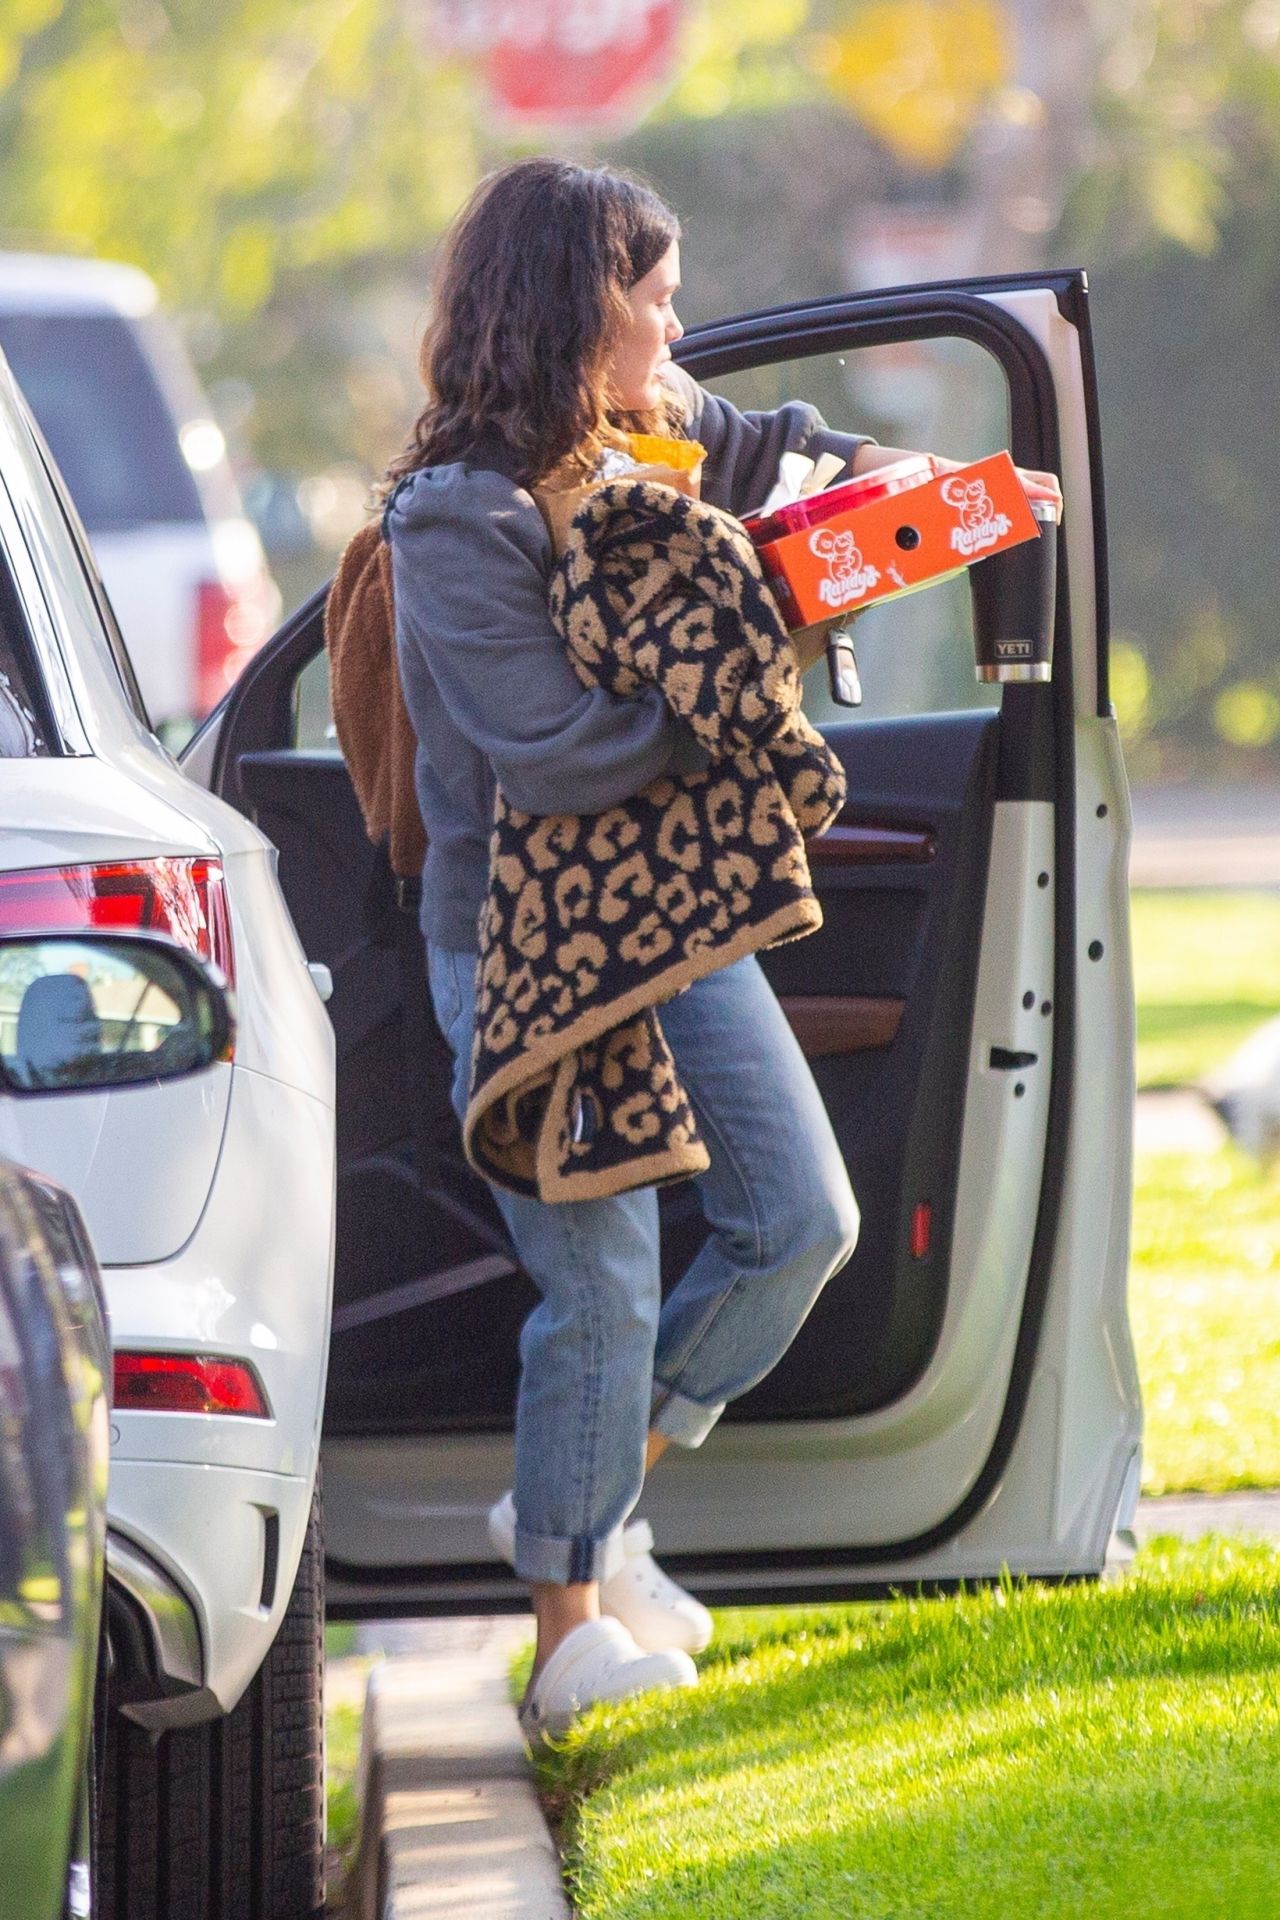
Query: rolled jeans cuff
x,y
684,1422
566,1562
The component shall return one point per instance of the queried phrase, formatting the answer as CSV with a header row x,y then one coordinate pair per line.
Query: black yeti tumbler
x,y
1013,600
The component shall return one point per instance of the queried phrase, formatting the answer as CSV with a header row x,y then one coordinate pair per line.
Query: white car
x,y
963,1396
106,376
210,1202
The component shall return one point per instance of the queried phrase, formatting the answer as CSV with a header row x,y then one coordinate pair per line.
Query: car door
x,y
963,1396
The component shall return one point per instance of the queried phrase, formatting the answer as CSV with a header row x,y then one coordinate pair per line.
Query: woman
x,y
553,326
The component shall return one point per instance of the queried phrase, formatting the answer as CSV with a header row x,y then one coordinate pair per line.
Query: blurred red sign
x,y
566,63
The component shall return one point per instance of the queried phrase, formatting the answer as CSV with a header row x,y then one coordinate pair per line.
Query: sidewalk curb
x,y
450,1822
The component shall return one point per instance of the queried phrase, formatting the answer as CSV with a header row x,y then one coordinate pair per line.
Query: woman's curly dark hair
x,y
529,296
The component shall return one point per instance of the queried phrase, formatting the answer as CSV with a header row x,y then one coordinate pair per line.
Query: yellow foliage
x,y
1130,688
20,20
1247,714
736,54
247,267
918,72
1185,197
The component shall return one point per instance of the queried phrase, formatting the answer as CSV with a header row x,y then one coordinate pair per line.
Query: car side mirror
x,y
80,1012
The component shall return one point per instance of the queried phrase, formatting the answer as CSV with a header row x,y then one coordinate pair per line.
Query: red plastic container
x,y
865,488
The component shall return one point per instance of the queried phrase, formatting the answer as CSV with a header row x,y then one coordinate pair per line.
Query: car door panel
x,y
938,1007
413,1354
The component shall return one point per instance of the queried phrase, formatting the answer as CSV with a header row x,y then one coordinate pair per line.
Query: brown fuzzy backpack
x,y
373,726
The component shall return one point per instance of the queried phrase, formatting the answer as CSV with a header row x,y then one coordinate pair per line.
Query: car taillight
x,y
186,1383
230,627
182,896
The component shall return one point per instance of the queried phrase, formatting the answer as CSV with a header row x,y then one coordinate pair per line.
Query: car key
x,y
842,669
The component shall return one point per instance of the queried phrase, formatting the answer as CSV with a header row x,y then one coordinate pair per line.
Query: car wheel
x,y
226,1821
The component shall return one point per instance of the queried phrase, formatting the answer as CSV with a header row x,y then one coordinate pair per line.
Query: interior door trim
x,y
832,1023
854,844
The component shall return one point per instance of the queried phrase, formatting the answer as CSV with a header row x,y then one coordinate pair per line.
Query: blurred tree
x,y
273,164
919,73
1177,213
1186,119
225,148
1191,420
282,169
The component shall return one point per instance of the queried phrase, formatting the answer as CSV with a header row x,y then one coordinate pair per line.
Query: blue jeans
x,y
602,1357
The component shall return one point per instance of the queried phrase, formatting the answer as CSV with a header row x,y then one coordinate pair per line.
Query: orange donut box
x,y
847,559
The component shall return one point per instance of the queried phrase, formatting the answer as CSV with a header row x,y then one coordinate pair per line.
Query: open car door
x,y
963,1396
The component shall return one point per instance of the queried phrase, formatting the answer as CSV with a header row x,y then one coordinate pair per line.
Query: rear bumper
x,y
201,1563
156,1653
218,1504
254,1282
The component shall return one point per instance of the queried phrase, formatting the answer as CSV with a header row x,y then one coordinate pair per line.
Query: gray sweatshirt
x,y
486,679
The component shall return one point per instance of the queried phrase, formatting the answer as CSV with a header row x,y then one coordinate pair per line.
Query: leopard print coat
x,y
592,921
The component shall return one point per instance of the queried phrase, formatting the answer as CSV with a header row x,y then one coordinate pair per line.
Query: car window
x,y
60,548
93,391
26,726
948,396
109,625
313,728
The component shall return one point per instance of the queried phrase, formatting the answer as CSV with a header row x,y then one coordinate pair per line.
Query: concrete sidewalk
x,y
1206,836
451,1825
1194,1514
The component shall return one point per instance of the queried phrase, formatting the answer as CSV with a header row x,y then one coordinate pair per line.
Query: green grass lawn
x,y
1204,1298
342,1723
1048,1752
1207,970
1205,1287
342,1751
339,1638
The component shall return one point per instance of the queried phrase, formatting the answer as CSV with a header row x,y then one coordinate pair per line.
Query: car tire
x,y
226,1820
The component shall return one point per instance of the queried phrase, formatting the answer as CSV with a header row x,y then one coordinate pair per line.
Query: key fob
x,y
842,670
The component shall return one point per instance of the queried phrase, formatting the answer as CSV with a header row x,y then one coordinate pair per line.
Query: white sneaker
x,y
656,1612
597,1661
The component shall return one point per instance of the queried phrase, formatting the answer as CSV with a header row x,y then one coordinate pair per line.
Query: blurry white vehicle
x,y
1245,1092
119,404
210,1202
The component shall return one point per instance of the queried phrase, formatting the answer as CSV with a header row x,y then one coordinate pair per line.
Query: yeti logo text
x,y
980,525
848,577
